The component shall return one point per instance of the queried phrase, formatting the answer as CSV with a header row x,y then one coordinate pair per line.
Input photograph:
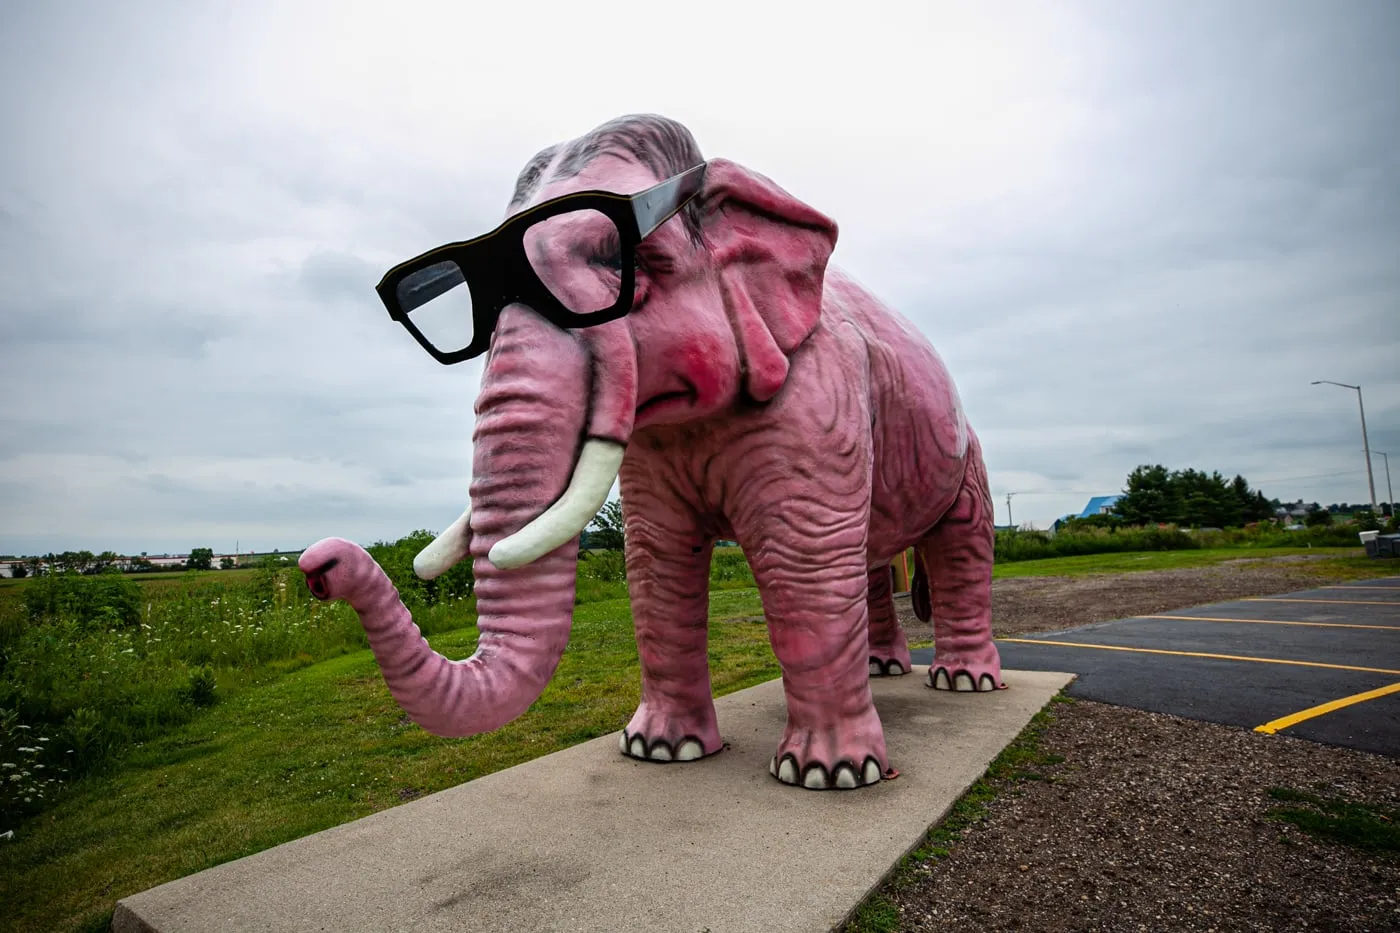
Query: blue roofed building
x,y
1099,505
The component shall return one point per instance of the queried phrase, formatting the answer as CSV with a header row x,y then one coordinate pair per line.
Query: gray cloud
x,y
1135,233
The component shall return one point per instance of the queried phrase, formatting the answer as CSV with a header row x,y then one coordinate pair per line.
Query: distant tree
x,y
71,562
1154,495
19,570
605,531
1148,498
225,563
1317,517
140,565
201,558
1366,520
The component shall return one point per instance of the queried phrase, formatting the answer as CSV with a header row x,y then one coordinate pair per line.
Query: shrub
x,y
1366,521
397,560
200,689
1014,545
105,601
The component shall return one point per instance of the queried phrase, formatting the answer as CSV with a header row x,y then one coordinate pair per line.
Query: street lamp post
x,y
1370,480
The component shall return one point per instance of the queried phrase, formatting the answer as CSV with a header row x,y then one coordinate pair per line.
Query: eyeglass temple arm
x,y
657,204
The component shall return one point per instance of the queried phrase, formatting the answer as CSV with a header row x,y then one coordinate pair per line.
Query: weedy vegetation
x,y
1343,822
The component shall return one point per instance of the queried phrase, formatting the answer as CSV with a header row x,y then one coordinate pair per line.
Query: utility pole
x,y
1366,444
1009,520
1389,493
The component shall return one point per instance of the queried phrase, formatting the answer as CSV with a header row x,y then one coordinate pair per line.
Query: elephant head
x,y
725,291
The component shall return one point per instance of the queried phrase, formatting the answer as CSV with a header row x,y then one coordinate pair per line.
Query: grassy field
x,y
301,744
1342,561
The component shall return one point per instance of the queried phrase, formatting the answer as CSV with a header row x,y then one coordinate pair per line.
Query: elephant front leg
x,y
818,626
809,561
889,650
668,578
958,555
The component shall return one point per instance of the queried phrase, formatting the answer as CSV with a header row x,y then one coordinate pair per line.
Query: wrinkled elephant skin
x,y
753,393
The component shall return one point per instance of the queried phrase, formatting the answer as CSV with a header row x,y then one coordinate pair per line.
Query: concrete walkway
x,y
587,840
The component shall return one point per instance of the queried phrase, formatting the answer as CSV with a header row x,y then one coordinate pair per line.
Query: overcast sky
x,y
1135,232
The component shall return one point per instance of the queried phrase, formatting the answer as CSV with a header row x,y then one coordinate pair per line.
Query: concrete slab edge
x,y
962,792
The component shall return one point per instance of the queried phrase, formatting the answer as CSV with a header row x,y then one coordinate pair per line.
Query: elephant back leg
x,y
889,651
957,554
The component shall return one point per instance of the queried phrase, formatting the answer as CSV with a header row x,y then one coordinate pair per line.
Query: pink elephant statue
x,y
674,323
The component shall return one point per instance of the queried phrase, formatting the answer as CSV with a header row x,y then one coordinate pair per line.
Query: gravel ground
x,y
1042,604
1153,822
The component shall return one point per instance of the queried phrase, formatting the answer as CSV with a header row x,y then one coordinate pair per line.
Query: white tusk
x,y
447,549
593,477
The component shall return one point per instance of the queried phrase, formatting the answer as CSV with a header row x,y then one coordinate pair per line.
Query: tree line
x,y
1190,498
86,563
1155,495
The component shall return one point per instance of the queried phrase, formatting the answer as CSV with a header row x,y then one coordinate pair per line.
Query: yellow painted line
x,y
1391,589
1387,628
1328,602
1201,654
1269,728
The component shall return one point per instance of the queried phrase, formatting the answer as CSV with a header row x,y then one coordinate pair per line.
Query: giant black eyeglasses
x,y
572,259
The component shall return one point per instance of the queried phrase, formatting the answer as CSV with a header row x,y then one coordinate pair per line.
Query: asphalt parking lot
x,y
1320,664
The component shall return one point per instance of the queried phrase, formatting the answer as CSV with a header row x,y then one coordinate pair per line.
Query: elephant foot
x,y
654,737
966,675
841,757
890,661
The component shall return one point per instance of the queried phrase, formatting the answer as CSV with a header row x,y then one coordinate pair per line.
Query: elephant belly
x,y
899,521
920,454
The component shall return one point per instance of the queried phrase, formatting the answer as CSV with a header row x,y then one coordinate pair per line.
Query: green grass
x,y
1022,760
280,757
1357,825
1342,562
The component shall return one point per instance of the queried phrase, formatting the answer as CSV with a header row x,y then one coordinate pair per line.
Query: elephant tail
x,y
920,596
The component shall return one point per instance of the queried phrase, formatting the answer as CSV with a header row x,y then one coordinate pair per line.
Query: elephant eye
x,y
612,259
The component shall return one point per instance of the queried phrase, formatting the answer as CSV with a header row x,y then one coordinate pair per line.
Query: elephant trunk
x,y
532,410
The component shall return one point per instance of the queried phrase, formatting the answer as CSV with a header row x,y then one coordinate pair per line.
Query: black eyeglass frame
x,y
498,273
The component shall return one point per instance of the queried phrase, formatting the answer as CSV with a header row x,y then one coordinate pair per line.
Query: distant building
x,y
125,563
1099,505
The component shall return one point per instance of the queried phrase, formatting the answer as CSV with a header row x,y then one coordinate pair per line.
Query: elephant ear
x,y
771,252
